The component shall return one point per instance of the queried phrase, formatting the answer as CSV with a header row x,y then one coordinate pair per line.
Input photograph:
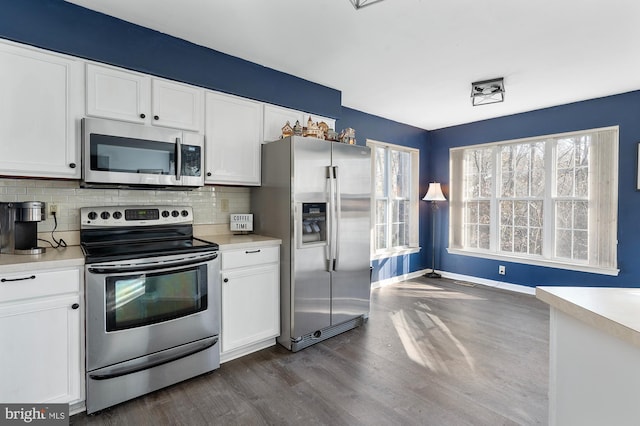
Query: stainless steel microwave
x,y
118,154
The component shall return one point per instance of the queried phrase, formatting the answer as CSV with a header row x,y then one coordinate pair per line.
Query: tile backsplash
x,y
211,204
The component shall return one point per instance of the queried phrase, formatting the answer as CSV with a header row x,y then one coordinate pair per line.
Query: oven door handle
x,y
150,266
153,360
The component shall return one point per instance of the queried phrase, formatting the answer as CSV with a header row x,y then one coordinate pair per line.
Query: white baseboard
x,y
467,278
490,283
399,278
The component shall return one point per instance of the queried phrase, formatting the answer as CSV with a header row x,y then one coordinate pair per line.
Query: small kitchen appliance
x,y
119,155
19,227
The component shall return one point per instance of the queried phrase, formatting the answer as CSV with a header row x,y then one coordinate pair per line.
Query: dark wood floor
x,y
434,352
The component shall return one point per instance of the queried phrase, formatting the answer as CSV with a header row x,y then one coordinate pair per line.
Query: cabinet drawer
x,y
28,285
249,257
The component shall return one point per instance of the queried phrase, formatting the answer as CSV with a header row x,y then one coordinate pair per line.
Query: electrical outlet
x,y
502,270
224,205
53,208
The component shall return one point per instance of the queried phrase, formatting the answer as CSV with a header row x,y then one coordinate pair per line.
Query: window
x,y
550,201
395,205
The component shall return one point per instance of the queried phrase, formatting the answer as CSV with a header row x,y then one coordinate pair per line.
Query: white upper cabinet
x,y
117,94
233,137
41,104
138,98
177,105
276,117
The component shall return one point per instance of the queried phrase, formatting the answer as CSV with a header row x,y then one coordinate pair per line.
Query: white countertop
x,y
233,242
72,256
613,310
51,259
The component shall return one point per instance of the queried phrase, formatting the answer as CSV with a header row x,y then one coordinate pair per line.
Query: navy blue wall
x,y
67,28
371,127
63,27
622,110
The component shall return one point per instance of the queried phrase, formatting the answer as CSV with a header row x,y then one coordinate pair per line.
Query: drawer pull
x,y
252,251
75,306
6,280
226,280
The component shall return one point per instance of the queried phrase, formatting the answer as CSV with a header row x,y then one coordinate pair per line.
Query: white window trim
x,y
537,262
394,252
414,216
532,260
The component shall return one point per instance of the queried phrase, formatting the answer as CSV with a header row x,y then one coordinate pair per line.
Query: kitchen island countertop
x,y
594,355
614,311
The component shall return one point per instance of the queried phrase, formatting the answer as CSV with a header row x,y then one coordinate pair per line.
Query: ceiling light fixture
x,y
359,4
487,91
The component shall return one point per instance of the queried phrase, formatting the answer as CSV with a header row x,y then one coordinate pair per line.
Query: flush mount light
x,y
359,4
487,91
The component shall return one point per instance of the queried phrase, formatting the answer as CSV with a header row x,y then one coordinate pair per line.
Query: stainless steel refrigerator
x,y
316,197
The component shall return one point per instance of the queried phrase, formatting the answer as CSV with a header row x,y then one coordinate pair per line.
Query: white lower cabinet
x,y
40,324
250,300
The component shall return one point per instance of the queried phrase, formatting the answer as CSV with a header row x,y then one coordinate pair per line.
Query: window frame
x,y
413,234
606,167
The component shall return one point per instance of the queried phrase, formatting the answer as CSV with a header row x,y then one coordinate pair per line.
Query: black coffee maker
x,y
19,227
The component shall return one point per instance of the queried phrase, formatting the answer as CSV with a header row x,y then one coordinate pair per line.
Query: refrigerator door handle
x,y
330,220
337,217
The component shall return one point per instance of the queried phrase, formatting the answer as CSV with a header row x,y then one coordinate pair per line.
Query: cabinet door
x,y
177,105
276,117
250,305
40,356
40,105
233,132
116,94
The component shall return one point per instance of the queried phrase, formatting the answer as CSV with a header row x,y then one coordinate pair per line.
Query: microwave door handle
x,y
178,158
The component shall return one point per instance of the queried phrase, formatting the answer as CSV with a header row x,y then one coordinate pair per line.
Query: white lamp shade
x,y
434,193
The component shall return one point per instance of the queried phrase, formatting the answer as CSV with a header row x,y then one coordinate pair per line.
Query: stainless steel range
x,y
152,301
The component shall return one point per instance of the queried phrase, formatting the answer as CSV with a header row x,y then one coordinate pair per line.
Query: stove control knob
x,y
117,215
184,213
92,215
105,215
175,213
165,213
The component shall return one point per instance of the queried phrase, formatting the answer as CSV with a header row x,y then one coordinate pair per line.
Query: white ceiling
x,y
413,61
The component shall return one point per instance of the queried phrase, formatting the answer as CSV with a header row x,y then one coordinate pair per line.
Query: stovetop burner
x,y
133,232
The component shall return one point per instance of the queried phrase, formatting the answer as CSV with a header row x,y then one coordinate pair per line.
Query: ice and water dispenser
x,y
313,223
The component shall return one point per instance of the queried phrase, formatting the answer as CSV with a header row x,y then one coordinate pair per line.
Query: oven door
x,y
139,307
